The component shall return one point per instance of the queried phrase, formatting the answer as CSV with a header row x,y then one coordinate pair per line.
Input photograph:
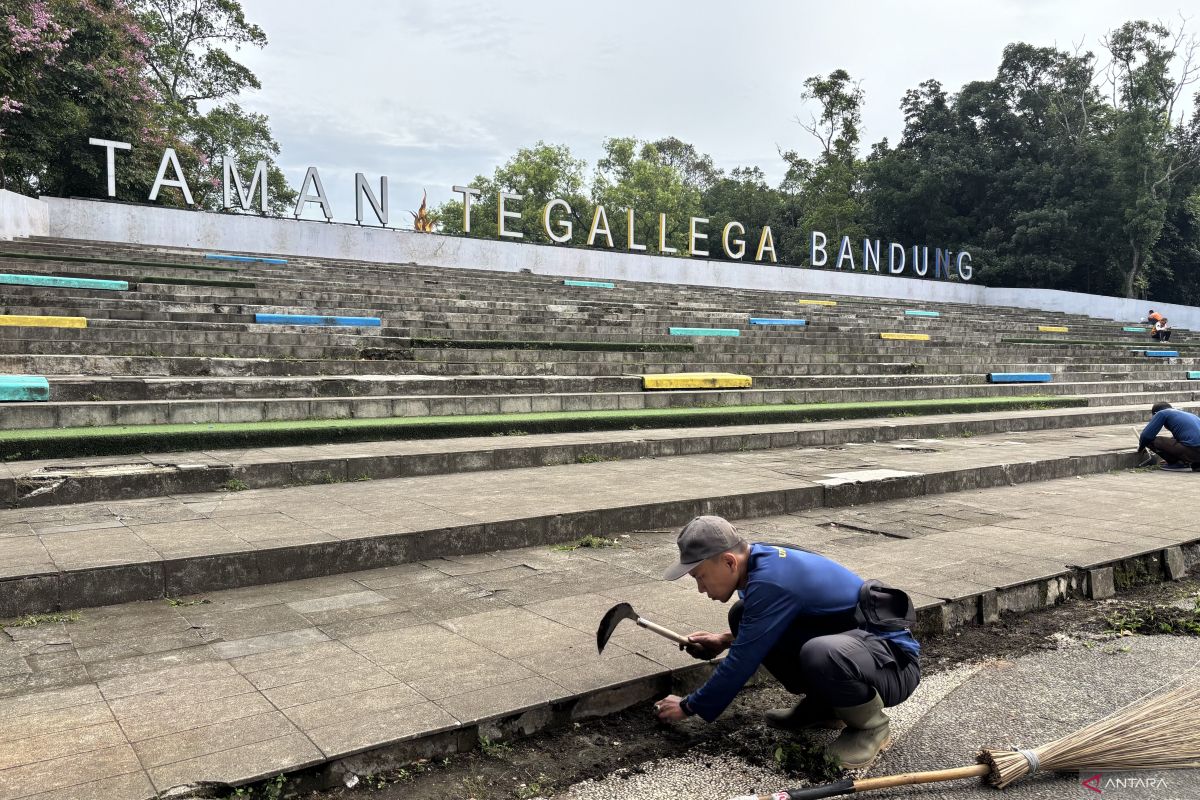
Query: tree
x,y
70,70
539,174
636,175
830,186
1152,145
190,66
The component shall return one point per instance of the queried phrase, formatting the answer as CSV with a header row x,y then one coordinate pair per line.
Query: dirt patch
x,y
622,743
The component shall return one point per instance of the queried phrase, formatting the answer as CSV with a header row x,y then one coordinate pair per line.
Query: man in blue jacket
x,y
797,617
1180,451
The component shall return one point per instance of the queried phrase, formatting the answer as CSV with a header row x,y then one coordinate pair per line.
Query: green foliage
x,y
1172,620
235,485
804,756
591,541
34,620
494,748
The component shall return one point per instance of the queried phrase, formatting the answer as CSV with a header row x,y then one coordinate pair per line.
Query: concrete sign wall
x,y
22,216
213,232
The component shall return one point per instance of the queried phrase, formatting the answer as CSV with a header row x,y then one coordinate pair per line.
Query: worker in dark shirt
x,y
1181,450
815,627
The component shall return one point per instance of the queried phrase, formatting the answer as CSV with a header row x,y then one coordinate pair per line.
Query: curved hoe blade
x,y
610,621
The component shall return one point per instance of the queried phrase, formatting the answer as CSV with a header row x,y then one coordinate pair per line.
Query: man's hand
x,y
668,710
704,645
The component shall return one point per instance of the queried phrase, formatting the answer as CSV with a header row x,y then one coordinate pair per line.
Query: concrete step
x,y
120,551
77,480
88,413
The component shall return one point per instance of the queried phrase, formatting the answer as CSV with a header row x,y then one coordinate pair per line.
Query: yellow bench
x,y
816,302
697,380
908,337
42,322
1052,329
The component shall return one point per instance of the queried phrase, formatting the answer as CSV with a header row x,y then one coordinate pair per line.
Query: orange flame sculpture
x,y
422,220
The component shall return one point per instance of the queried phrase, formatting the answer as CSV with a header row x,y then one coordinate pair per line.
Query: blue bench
x,y
308,319
24,388
592,284
1019,377
912,312
1162,353
704,331
245,259
768,321
64,283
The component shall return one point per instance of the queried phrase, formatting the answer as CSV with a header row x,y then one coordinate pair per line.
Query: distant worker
x,y
822,631
1162,331
1181,450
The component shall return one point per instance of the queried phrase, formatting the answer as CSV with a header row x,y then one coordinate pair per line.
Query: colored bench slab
x,y
17,320
704,331
912,312
1052,329
307,319
816,302
245,259
1134,329
24,388
769,321
1019,377
1162,353
697,380
909,337
69,283
592,284
1193,375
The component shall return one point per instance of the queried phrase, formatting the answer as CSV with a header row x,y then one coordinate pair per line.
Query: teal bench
x,y
24,388
310,319
704,331
64,283
1134,329
1019,377
769,321
1194,375
912,312
592,284
245,259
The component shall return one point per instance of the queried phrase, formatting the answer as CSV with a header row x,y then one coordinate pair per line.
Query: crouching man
x,y
819,629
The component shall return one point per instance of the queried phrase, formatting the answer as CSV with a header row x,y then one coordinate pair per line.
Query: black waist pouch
x,y
883,608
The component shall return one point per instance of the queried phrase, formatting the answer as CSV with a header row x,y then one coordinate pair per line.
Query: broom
x,y
1162,732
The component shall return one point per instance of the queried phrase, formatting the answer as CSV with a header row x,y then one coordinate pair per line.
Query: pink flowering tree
x,y
70,69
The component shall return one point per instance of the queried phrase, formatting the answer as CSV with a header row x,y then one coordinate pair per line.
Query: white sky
x,y
432,93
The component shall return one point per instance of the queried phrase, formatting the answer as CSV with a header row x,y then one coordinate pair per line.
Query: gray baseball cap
x,y
701,539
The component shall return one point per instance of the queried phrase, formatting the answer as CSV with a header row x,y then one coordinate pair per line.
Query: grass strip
x,y
502,344
121,261
124,439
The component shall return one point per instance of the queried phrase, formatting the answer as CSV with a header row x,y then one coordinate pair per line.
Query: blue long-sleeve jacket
x,y
781,585
1183,426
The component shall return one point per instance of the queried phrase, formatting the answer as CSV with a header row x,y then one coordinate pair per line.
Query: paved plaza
x,y
245,683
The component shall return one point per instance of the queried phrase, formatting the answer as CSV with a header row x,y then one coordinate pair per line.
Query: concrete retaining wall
x,y
170,227
22,216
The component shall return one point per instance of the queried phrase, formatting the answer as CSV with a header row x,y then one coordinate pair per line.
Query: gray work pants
x,y
838,670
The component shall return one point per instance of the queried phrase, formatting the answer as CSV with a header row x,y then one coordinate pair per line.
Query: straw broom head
x,y
1160,732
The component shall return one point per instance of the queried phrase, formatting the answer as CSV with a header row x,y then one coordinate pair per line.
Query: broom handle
x,y
849,786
